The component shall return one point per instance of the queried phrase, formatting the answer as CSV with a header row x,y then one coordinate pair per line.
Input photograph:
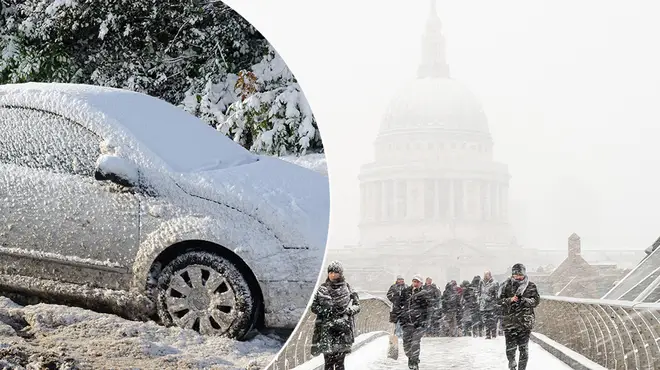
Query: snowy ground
x,y
450,353
58,337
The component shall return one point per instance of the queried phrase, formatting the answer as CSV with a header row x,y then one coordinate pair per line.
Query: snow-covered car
x,y
124,203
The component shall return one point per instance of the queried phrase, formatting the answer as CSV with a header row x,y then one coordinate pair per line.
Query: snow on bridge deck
x,y
450,353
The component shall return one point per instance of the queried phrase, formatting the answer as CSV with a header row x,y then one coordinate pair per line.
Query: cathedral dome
x,y
435,103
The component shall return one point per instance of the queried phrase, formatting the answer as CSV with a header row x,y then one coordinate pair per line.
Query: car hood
x,y
290,200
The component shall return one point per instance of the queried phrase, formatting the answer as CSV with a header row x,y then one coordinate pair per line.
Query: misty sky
x,y
570,90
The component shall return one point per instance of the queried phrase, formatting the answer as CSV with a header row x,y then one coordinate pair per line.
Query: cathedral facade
x,y
433,201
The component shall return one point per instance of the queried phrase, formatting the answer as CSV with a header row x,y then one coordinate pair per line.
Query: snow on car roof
x,y
183,141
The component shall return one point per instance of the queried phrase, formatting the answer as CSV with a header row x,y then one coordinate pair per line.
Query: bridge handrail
x,y
614,334
373,317
611,302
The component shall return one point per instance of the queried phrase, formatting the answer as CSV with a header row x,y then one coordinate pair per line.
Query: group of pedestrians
x,y
419,307
471,309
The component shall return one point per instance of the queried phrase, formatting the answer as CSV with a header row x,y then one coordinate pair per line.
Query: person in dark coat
x,y
335,305
450,308
518,298
477,325
468,307
434,308
489,305
414,318
394,294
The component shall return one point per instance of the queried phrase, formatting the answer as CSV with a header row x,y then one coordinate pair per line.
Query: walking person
x,y
518,298
450,306
434,300
477,325
488,304
414,319
335,305
394,295
468,307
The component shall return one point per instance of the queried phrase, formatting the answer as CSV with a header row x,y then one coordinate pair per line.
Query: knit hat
x,y
336,266
418,278
399,277
518,269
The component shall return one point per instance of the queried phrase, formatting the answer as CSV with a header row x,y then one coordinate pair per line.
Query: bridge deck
x,y
451,353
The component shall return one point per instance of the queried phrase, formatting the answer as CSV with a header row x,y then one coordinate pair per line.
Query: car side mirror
x,y
117,170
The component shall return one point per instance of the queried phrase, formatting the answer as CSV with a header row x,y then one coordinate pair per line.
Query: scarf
x,y
339,293
521,284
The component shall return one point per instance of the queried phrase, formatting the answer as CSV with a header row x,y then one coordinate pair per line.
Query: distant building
x,y
623,258
575,277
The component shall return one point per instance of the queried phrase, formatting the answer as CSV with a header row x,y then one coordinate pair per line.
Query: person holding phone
x,y
518,298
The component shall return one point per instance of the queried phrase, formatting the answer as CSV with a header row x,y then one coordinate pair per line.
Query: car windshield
x,y
183,141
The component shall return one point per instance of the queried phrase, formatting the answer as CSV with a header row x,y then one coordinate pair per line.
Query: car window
x,y
43,140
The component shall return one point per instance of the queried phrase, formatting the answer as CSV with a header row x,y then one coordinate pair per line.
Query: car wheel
x,y
207,293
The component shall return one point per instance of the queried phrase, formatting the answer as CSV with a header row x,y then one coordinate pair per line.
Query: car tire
x,y
207,293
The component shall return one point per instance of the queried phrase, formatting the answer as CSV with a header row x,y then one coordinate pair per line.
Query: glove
x,y
352,310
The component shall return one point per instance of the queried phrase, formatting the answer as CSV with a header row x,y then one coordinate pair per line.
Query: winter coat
x,y
469,303
434,294
488,295
450,299
394,295
335,305
416,307
518,315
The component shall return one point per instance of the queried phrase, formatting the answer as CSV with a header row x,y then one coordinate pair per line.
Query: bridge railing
x,y
614,334
373,317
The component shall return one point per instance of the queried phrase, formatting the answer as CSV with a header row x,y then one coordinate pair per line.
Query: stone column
x,y
387,199
396,190
436,207
496,203
477,197
382,205
452,214
415,195
466,203
505,201
489,201
363,201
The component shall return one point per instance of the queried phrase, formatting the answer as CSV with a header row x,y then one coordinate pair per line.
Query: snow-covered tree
x,y
189,53
274,108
